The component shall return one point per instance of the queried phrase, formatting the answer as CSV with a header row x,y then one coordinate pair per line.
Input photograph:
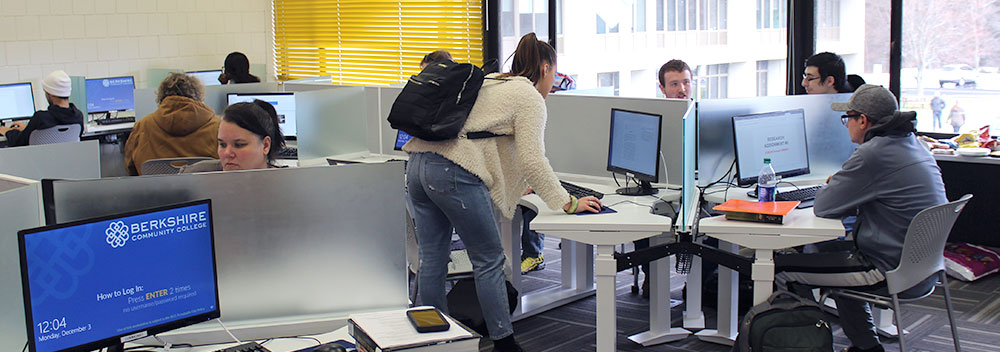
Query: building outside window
x,y
713,82
609,80
761,78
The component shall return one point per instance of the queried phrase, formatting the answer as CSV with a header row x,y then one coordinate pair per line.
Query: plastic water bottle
x,y
767,183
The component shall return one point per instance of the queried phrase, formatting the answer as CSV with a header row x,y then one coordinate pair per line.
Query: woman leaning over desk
x,y
249,138
456,183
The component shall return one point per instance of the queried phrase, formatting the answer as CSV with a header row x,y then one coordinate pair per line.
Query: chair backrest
x,y
56,134
166,166
923,248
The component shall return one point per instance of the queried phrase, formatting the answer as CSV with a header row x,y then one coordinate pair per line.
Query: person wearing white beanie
x,y
57,89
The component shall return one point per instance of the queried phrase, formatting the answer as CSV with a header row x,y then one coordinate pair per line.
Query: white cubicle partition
x,y
145,102
298,249
386,135
19,209
571,117
331,121
72,160
827,139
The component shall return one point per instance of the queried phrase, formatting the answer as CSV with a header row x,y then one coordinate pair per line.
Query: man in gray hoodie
x,y
888,179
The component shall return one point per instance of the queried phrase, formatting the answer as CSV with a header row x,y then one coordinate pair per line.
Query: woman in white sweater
x,y
456,183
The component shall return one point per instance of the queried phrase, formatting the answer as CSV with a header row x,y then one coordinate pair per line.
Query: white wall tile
x,y
97,69
188,45
83,7
138,24
178,23
60,7
86,49
149,47
74,27
128,48
168,46
38,7
198,23
166,5
50,27
63,51
18,53
234,22
13,7
27,27
146,6
107,49
119,68
29,73
75,69
158,24
8,73
216,24
97,26
8,28
41,52
204,6
3,55
126,6
118,25
105,7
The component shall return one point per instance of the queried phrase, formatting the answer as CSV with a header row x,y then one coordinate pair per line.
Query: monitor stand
x,y
643,189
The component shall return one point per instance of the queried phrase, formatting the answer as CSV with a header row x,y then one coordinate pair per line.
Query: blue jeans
x,y
532,242
444,195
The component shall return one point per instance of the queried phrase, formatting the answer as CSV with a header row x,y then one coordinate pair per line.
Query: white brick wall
x,y
99,38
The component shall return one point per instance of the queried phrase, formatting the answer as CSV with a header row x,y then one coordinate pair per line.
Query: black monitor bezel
x,y
287,137
744,180
116,340
106,111
659,144
31,88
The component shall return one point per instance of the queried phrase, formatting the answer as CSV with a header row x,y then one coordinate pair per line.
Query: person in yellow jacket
x,y
182,126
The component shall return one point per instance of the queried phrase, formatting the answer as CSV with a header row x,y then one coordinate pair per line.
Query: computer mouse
x,y
330,347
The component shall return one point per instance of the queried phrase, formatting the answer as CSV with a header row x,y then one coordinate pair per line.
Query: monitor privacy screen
x,y
105,281
208,78
284,105
779,135
16,100
110,94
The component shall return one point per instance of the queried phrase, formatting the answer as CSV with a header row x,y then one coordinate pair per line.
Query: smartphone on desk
x,y
427,320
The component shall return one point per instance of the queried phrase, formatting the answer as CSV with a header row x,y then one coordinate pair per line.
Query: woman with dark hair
x,y
182,125
237,69
249,138
456,183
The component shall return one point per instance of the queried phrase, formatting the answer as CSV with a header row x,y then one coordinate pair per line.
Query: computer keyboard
x,y
580,191
801,194
245,347
115,120
288,153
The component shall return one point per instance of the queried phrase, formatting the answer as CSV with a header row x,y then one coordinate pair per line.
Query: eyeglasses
x,y
844,118
809,78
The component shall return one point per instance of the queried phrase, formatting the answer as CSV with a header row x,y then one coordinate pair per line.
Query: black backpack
x,y
785,322
434,104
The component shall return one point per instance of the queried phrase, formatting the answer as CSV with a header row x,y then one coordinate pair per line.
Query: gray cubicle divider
x,y
571,117
826,138
19,209
380,130
331,121
216,97
298,249
145,102
72,160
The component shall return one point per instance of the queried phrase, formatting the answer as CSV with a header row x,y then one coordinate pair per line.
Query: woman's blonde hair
x,y
179,84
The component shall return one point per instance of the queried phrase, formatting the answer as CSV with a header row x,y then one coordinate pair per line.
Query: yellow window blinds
x,y
372,42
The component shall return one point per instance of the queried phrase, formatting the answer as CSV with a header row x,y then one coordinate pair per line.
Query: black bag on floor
x,y
463,304
785,322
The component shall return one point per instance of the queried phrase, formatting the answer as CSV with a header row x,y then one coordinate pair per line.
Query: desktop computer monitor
x,y
208,78
110,94
106,281
401,139
16,100
778,135
284,104
634,149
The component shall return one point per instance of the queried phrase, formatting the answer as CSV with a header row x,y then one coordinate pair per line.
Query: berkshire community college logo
x,y
105,83
117,233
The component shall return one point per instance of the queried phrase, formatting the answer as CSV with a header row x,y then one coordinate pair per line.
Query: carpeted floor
x,y
572,326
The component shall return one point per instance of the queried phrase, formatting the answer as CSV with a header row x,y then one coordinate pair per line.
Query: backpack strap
x,y
481,135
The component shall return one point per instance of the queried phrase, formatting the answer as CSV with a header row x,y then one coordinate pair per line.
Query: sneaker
x,y
532,264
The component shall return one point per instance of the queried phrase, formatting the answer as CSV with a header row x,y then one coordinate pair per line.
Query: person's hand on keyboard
x,y
588,204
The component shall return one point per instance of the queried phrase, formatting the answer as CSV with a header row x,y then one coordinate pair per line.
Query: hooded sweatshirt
x,y
54,116
180,127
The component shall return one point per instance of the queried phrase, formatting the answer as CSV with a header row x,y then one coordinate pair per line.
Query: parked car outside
x,y
961,75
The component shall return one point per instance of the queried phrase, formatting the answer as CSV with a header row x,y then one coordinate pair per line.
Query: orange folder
x,y
755,207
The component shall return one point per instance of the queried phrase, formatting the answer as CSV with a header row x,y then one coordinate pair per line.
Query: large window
x,y
761,78
372,43
713,82
531,16
772,14
951,51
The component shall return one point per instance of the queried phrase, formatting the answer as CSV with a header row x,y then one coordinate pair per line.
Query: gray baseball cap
x,y
872,100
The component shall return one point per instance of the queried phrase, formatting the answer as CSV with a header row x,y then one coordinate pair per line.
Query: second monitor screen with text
x,y
284,105
780,136
635,142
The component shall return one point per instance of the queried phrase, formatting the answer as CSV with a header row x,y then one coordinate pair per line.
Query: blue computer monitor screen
x,y
284,105
779,135
634,146
110,94
16,100
208,78
401,139
105,281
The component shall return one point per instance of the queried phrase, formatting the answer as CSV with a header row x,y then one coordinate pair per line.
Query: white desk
x,y
800,227
93,129
631,222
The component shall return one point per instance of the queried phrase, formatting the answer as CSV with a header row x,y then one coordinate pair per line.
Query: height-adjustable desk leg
x,y
659,304
604,269
728,304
